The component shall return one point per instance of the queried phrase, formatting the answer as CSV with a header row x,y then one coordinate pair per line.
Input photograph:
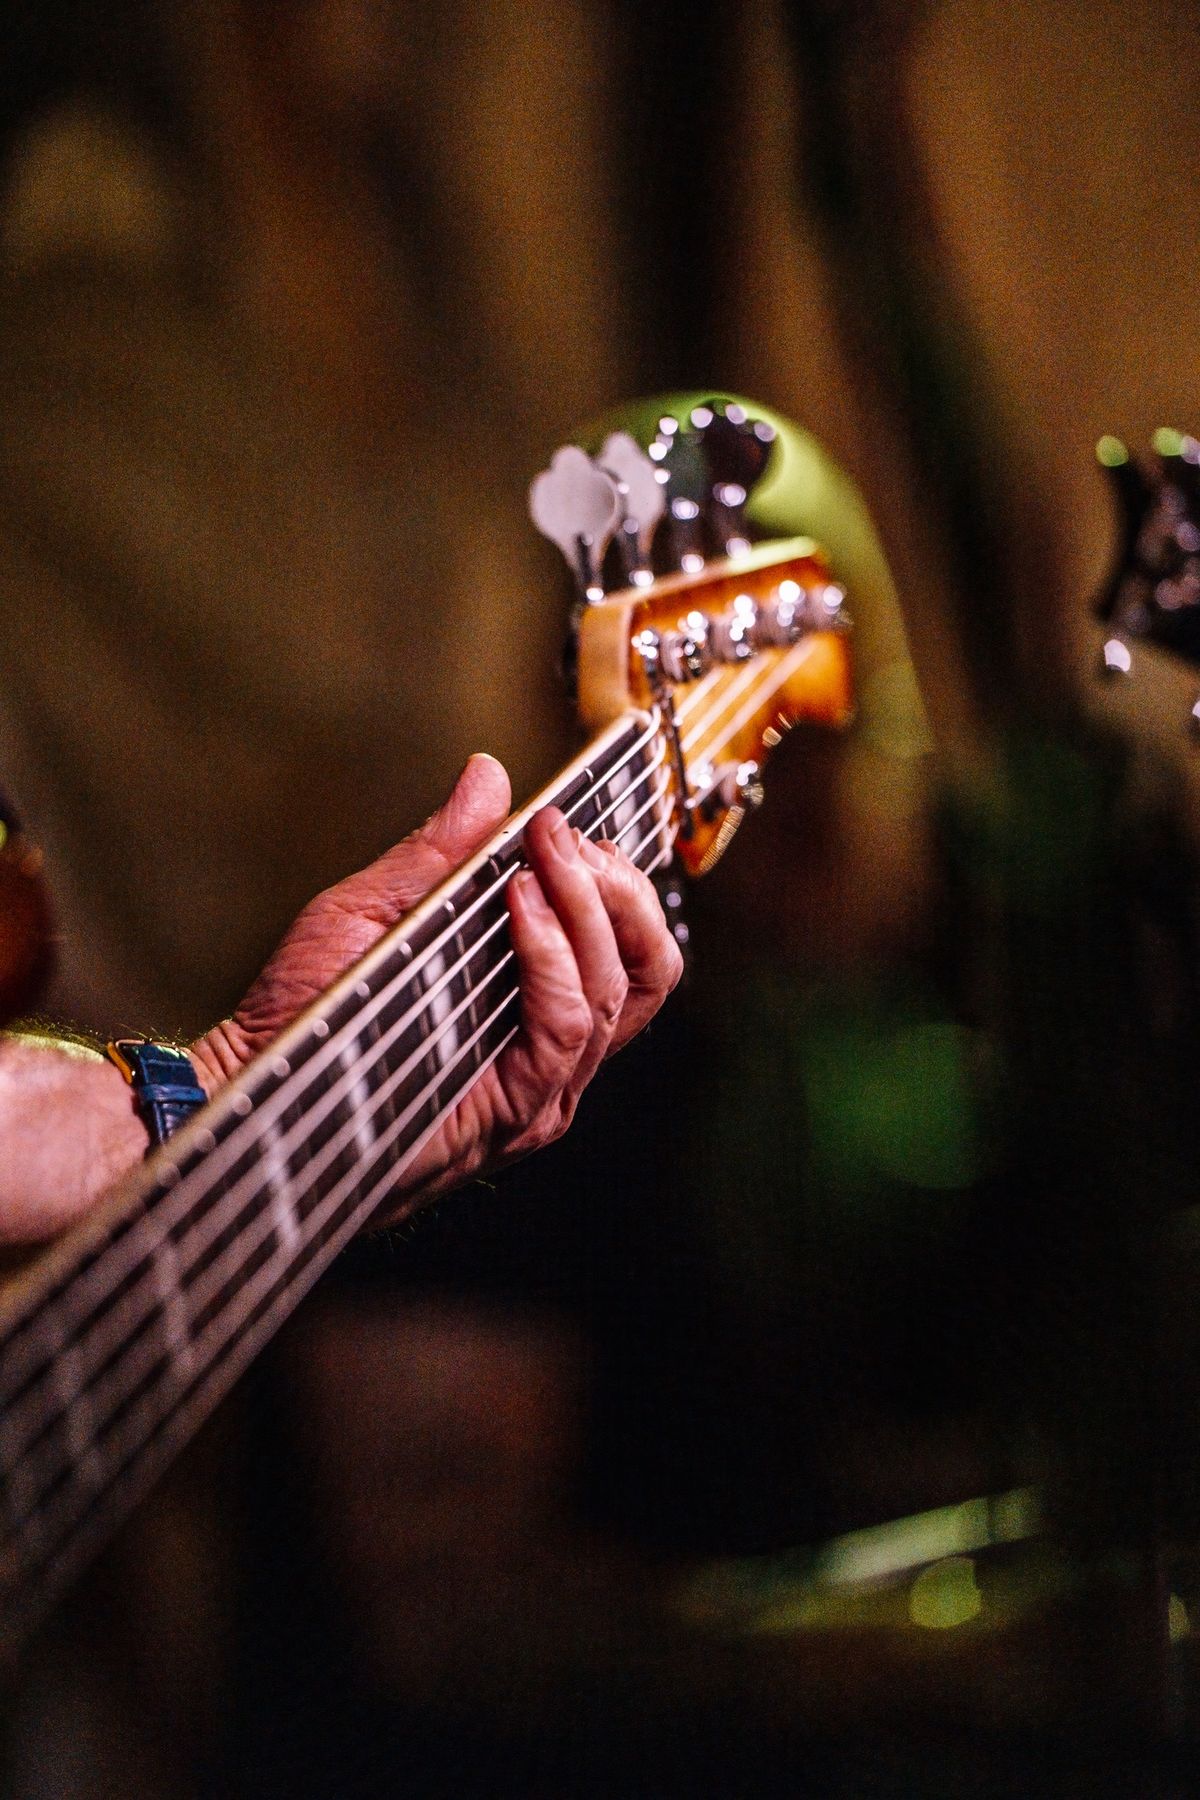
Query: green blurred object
x,y
892,1102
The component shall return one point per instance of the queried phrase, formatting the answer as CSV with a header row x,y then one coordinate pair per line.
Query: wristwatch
x,y
165,1090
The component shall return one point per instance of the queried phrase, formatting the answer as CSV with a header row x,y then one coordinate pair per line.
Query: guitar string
x,y
199,1290
219,1217
250,1331
692,696
663,855
750,698
235,1144
240,1138
774,674
728,696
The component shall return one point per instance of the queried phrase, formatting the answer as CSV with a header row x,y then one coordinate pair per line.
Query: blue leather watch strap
x,y
164,1084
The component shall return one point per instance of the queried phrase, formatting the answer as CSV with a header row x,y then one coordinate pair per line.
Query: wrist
x,y
219,1055
70,1131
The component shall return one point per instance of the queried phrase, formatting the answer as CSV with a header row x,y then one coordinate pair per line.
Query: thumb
x,y
478,803
389,887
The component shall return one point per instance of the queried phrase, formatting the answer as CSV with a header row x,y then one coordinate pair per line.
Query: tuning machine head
x,y
578,507
1153,591
714,456
641,487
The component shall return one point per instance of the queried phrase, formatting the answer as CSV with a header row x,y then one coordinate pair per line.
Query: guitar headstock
x,y
1153,593
678,615
1147,630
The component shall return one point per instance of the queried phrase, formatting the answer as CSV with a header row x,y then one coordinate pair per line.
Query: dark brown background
x,y
893,1211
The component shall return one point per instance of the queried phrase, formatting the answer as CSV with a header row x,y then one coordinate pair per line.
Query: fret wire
x,y
620,751
405,976
457,1010
150,1262
330,1152
329,1205
221,1370
131,1331
263,1225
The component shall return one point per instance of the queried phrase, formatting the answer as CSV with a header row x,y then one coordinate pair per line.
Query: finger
x,y
553,849
652,959
538,1067
384,891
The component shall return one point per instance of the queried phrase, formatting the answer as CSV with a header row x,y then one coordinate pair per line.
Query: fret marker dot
x,y
242,1105
168,1175
362,990
280,1066
320,1028
205,1140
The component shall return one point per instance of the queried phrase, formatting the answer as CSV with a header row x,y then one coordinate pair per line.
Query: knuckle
x,y
610,1003
572,1027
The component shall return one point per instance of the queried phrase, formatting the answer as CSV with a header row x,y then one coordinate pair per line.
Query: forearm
x,y
68,1131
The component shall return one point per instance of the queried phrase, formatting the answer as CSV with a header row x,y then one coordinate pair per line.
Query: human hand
x,y
594,956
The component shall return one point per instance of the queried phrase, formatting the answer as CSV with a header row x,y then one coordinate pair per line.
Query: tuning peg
x,y
736,453
577,506
641,487
713,457
677,450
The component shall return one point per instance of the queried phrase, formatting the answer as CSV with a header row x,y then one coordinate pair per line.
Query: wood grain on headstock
x,y
735,713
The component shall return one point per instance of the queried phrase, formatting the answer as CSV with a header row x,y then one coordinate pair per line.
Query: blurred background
x,y
822,1414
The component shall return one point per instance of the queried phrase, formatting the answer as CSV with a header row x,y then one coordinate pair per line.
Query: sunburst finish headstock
x,y
733,658
731,645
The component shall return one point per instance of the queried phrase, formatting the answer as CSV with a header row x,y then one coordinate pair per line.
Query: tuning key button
x,y
641,488
577,506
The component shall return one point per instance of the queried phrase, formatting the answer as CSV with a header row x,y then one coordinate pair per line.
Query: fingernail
x,y
593,855
529,891
563,839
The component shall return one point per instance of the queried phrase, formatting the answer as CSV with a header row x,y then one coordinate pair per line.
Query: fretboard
x,y
137,1325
